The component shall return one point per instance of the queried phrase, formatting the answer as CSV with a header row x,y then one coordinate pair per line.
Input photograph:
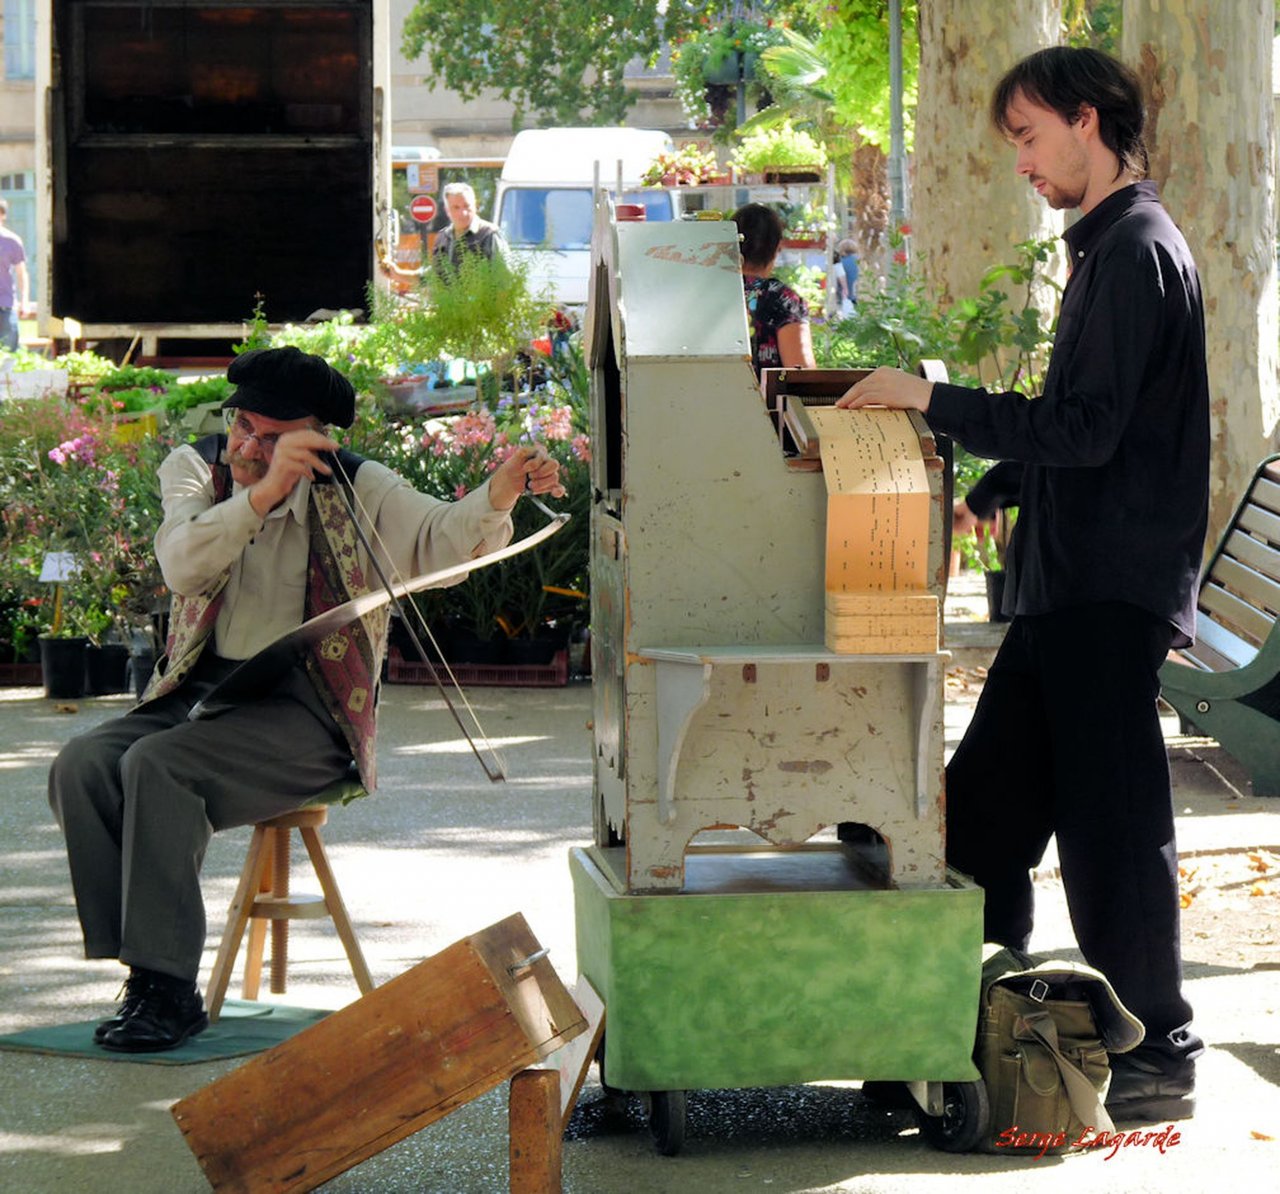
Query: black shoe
x,y
1146,1090
130,994
169,1012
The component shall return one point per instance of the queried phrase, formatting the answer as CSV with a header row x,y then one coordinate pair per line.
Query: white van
x,y
543,204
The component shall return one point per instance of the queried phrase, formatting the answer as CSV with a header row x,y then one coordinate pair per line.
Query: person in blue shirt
x,y
847,277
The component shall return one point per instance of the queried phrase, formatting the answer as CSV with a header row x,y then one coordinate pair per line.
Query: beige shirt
x,y
266,593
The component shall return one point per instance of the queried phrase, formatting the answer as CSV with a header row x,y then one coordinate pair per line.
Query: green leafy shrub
x,y
778,147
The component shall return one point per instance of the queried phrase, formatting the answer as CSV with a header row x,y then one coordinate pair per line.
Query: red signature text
x,y
1089,1138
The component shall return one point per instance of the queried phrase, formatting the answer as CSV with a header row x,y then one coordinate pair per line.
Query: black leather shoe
x,y
131,993
168,1012
1146,1090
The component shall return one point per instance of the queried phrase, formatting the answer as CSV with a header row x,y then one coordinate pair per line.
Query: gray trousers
x,y
138,798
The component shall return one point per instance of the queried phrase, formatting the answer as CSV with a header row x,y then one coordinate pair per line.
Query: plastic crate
x,y
21,675
479,675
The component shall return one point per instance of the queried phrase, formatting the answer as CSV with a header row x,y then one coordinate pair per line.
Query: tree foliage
x,y
1095,23
561,62
855,46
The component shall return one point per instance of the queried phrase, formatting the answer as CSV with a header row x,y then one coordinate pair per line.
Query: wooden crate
x,y
396,1060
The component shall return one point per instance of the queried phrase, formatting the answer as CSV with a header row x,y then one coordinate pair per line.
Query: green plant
x,y
25,361
779,147
480,310
898,324
808,281
808,220
69,482
706,66
1005,338
130,377
84,367
985,549
854,48
201,391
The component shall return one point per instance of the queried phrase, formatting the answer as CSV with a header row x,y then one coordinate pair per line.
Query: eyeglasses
x,y
244,429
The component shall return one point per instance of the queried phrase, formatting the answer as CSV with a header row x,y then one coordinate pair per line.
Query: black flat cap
x,y
287,383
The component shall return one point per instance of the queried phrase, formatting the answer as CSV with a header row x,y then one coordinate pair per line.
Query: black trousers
x,y
1066,741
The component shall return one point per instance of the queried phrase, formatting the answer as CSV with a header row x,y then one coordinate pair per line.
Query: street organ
x,y
766,578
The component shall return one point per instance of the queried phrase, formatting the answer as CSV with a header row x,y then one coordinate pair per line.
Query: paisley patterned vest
x,y
345,666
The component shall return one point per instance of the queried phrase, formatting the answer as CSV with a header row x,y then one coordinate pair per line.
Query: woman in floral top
x,y
779,317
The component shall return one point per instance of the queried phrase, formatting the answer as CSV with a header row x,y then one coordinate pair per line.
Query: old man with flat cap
x,y
255,541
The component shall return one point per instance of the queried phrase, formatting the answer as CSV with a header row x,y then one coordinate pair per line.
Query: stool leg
x,y
237,916
337,909
280,928
256,945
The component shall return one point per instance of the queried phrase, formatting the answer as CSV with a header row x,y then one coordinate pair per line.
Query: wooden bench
x,y
1228,684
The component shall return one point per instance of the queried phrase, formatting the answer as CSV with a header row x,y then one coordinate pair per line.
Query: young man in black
x,y
1102,570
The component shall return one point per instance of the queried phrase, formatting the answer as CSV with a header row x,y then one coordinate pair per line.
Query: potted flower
x,y
807,227
690,165
781,153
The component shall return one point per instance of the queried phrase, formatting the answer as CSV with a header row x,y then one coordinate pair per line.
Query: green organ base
x,y
774,968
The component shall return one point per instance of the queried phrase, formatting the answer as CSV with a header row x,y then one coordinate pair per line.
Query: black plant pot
x,y
141,664
536,651
106,669
995,597
468,648
62,663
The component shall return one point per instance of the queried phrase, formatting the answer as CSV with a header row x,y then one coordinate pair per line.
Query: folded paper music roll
x,y
882,623
877,533
877,501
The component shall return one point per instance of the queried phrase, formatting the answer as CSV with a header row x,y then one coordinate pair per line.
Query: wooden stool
x,y
263,895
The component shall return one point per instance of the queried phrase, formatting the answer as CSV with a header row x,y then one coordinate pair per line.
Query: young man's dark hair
x,y
760,233
1064,79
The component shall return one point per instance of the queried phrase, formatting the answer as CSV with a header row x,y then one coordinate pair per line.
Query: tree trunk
x,y
969,208
869,204
1206,70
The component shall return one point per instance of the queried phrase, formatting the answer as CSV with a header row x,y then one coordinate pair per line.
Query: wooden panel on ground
x,y
572,1061
396,1060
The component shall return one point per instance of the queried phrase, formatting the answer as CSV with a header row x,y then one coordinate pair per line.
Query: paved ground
x,y
439,853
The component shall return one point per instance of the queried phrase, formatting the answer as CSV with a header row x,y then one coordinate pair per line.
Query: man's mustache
x,y
257,467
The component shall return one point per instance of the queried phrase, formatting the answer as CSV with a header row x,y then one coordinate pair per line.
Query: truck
x,y
544,203
197,159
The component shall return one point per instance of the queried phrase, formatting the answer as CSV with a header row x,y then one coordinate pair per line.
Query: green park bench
x,y
1228,684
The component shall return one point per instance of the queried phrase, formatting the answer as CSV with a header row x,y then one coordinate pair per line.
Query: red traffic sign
x,y
422,208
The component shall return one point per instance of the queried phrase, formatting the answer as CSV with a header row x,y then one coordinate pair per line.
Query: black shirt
x,y
1115,486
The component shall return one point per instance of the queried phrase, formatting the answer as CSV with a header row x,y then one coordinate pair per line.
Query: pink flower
x,y
459,491
473,428
581,448
558,424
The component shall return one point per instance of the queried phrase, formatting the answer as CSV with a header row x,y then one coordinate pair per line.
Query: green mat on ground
x,y
244,1027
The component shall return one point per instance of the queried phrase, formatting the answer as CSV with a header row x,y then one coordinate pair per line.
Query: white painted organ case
x,y
716,702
